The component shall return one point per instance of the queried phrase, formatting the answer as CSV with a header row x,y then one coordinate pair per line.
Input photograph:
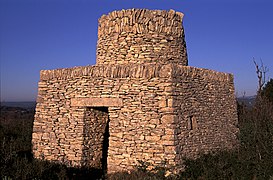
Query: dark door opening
x,y
96,137
105,146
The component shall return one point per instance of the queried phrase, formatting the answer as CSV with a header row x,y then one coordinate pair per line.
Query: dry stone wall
x,y
205,112
141,36
151,123
136,129
139,102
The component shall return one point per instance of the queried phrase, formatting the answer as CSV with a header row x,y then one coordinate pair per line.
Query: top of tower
x,y
141,36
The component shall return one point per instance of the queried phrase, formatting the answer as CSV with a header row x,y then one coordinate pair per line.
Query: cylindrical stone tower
x,y
141,36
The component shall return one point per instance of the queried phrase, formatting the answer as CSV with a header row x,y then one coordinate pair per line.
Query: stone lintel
x,y
96,102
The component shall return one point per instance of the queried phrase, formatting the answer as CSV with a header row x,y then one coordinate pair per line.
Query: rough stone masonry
x,y
141,101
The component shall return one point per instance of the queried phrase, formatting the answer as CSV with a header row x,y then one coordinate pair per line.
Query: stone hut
x,y
141,101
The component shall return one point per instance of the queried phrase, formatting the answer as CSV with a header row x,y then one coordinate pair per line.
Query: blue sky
x,y
223,35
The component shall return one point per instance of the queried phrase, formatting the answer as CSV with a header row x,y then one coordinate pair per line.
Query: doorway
x,y
96,137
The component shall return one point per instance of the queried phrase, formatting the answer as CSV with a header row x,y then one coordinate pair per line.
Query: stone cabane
x,y
139,102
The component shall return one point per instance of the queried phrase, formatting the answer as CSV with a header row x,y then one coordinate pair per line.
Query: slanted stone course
x,y
139,102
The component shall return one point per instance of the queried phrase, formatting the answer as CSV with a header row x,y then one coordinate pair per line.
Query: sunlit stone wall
x,y
139,102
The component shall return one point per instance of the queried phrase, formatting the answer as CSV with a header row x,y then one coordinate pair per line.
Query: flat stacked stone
x,y
141,36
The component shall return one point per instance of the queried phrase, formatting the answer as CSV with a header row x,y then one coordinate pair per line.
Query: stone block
x,y
96,102
167,119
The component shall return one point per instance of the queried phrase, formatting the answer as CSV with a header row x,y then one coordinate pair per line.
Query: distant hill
x,y
25,105
247,100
